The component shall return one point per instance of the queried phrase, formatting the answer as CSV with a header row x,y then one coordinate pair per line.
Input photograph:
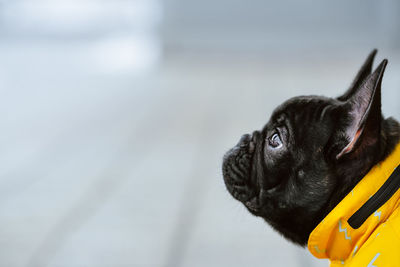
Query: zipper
x,y
387,190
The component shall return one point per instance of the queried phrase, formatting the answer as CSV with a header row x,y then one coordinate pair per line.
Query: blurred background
x,y
115,116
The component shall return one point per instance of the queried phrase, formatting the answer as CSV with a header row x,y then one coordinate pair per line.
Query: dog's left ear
x,y
362,74
360,113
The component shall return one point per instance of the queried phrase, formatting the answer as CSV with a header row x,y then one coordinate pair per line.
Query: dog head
x,y
309,155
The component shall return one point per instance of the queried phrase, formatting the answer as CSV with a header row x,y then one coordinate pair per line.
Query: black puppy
x,y
310,155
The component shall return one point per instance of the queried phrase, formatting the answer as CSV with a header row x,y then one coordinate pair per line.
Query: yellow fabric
x,y
377,241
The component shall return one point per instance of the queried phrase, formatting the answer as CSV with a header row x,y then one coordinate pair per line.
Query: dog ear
x,y
360,115
362,74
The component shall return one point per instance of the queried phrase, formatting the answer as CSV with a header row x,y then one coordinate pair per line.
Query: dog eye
x,y
275,141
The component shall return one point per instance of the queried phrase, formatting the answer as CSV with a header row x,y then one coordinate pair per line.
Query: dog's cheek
x,y
316,193
277,173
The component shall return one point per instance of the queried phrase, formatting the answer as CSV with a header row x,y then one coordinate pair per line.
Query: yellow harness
x,y
377,240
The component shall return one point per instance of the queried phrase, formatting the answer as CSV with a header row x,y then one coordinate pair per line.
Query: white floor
x,y
116,168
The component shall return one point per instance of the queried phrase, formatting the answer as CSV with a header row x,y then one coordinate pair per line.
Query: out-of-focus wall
x,y
257,26
120,34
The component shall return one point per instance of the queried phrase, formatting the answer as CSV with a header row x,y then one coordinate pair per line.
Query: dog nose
x,y
255,136
244,140
253,141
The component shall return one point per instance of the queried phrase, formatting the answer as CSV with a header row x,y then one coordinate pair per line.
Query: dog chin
x,y
236,168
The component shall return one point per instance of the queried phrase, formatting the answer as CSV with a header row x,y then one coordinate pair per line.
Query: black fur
x,y
328,145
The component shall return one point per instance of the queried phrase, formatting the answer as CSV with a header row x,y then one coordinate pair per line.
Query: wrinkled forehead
x,y
300,108
305,113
